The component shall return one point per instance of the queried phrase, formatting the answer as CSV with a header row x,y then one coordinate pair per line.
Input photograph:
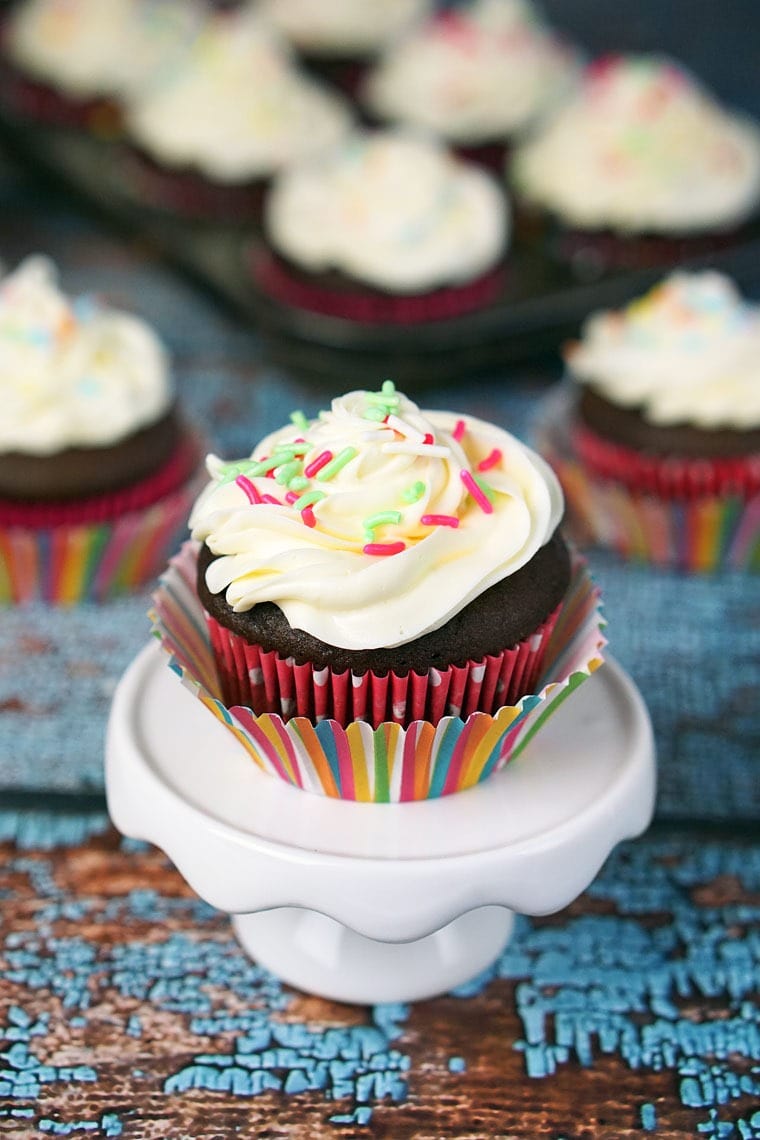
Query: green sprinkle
x,y
309,499
377,399
259,468
373,413
300,420
413,493
388,387
381,519
298,483
285,473
285,451
486,488
230,471
337,464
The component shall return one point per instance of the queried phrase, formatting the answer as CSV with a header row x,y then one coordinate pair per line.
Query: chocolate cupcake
x,y
387,228
96,465
71,62
663,451
388,602
207,139
475,75
641,167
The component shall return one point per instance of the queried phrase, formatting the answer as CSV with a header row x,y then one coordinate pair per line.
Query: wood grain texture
x,y
110,966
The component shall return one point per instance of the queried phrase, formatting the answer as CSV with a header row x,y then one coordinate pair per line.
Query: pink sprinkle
x,y
460,427
317,464
490,460
429,438
477,494
271,499
307,516
440,520
248,488
292,496
384,547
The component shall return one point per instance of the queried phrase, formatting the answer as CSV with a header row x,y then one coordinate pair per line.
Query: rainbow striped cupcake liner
x,y
694,534
390,763
72,562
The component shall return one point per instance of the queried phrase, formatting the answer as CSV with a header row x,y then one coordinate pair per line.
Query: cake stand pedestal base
x,y
316,953
378,902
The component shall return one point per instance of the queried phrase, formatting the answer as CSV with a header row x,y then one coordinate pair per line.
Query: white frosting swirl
x,y
235,108
391,210
343,27
321,576
71,373
687,352
472,74
100,47
643,148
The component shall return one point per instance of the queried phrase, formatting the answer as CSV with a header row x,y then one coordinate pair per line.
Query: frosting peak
x,y
643,147
686,352
475,73
234,106
72,374
374,523
390,209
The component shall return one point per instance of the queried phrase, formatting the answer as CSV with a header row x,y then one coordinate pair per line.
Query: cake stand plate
x,y
378,902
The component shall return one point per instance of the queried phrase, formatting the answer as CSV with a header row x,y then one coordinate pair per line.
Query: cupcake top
x,y
72,374
642,147
686,352
234,107
342,27
374,523
89,48
391,210
475,73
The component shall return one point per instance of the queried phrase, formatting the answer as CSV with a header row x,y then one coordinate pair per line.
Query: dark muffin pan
x,y
542,302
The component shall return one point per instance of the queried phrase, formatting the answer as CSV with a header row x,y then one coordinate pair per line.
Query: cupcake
x,y
340,38
386,228
388,600
474,75
96,466
69,62
661,457
210,135
641,166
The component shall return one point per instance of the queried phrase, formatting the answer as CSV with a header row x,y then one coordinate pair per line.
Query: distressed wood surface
x,y
127,1009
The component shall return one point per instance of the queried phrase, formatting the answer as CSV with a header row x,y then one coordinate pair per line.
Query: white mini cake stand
x,y
378,902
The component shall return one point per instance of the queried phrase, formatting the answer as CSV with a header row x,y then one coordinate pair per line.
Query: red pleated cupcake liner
x,y
267,682
277,280
189,193
694,531
30,99
666,476
111,505
104,547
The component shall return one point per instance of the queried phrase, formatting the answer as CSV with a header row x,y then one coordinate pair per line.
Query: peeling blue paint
x,y
588,986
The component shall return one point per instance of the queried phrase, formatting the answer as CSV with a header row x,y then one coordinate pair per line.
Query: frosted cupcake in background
x,y
386,228
70,62
340,38
475,75
643,165
96,465
390,608
660,459
211,134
